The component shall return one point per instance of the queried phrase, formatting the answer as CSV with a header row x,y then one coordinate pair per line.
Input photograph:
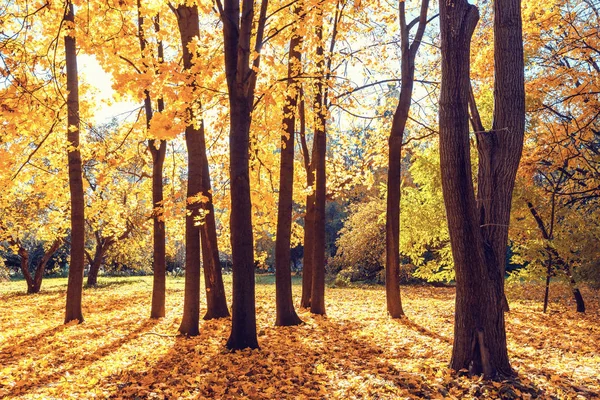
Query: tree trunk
x,y
73,310
309,216
158,150
285,312
500,149
479,335
392,223
159,262
41,267
241,80
187,20
317,302
95,264
216,302
24,255
547,290
575,289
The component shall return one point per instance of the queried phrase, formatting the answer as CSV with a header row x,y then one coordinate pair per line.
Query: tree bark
x,y
500,148
73,310
241,81
158,149
479,334
41,267
285,312
547,288
392,237
95,264
216,302
317,302
187,20
575,289
309,216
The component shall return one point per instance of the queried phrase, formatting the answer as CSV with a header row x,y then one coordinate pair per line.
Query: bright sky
x,y
106,108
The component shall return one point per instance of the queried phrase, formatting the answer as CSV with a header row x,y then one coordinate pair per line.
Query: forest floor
x,y
354,352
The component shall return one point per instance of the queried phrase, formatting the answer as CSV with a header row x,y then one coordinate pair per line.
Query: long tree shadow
x,y
45,342
423,331
308,361
45,377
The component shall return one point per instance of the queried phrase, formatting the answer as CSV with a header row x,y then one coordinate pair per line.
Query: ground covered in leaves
x,y
354,352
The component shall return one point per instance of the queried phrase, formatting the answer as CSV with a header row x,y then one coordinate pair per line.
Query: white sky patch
x,y
103,97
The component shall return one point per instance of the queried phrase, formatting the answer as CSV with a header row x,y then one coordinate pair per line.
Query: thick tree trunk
x,y
241,80
479,335
187,19
500,149
73,310
317,302
285,312
392,237
309,216
243,328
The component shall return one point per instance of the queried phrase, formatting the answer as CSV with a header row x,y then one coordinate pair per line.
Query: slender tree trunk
x,y
158,149
479,335
309,216
285,312
73,310
159,262
500,148
392,237
575,289
317,302
92,278
187,19
216,302
548,276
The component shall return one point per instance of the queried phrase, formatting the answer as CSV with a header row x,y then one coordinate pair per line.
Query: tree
x,y
75,283
285,313
241,71
409,52
199,201
158,149
309,215
479,334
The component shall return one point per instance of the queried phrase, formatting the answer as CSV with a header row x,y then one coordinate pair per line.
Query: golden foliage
x,y
354,352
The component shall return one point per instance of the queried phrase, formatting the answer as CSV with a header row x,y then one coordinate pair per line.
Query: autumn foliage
x,y
356,351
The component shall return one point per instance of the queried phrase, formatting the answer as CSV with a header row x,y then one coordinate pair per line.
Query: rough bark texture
x,y
392,237
285,312
241,81
500,148
187,20
309,216
77,261
317,301
479,335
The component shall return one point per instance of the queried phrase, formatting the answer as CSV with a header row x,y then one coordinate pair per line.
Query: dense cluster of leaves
x,y
356,351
